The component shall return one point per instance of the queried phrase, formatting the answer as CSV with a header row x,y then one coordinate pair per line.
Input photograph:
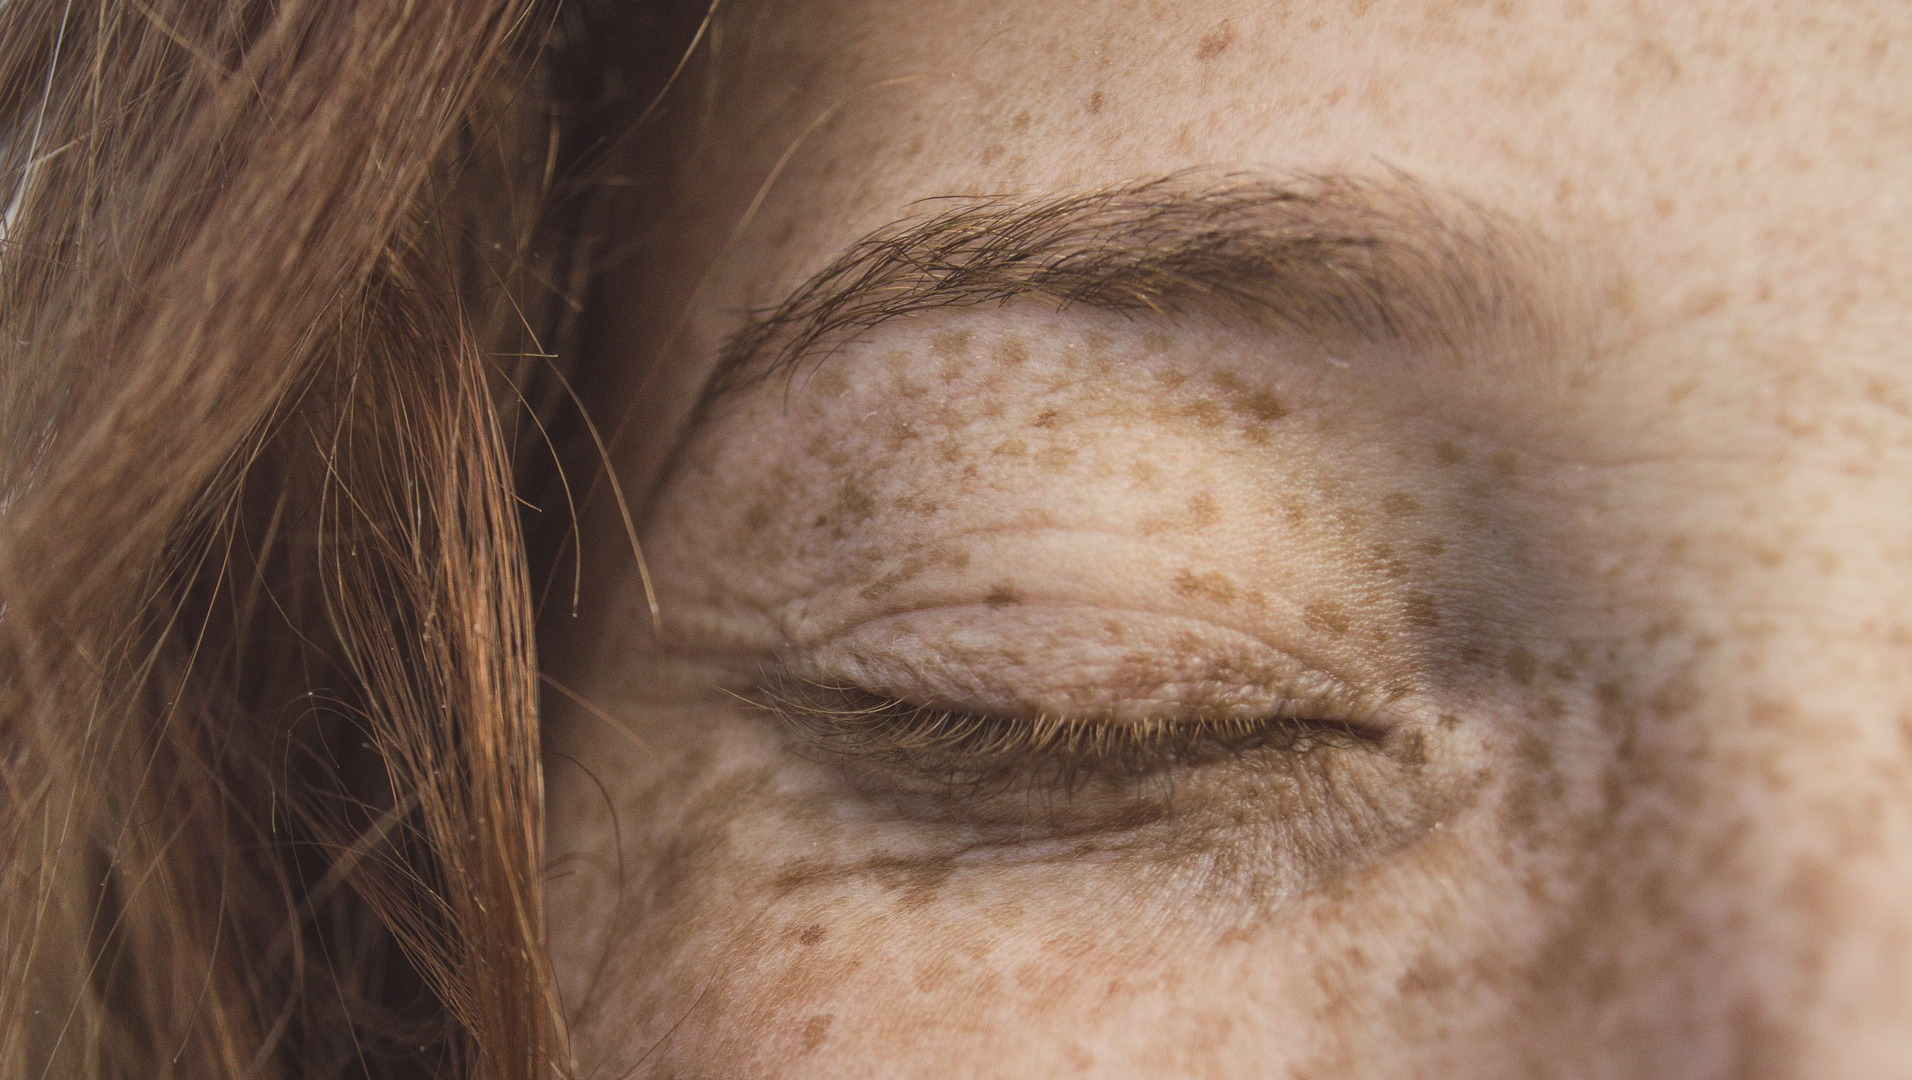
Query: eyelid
x,y
1083,661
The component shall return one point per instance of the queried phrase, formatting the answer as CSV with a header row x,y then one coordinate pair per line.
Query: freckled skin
x,y
1638,605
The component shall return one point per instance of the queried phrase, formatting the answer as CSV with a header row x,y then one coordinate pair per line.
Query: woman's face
x,y
1342,540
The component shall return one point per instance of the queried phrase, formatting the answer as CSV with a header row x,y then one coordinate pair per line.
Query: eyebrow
x,y
1333,258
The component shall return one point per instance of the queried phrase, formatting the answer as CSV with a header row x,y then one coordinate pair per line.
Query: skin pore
x,y
1484,658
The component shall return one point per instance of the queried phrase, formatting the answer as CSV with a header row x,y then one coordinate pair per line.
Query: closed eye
x,y
973,754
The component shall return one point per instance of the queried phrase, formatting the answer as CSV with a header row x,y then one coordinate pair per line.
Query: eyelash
x,y
977,754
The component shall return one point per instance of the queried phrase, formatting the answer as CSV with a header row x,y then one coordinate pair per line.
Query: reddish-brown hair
x,y
273,278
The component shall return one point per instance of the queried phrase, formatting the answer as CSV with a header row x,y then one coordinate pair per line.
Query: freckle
x,y
898,434
1703,302
829,382
812,934
1433,547
815,1030
1012,447
1210,586
1216,43
922,882
1020,123
991,154
1401,504
1427,977
1202,510
1013,351
1422,611
890,581
1047,418
1206,413
1055,457
1003,596
1412,749
1095,103
951,343
1171,378
1326,615
853,503
1265,408
757,517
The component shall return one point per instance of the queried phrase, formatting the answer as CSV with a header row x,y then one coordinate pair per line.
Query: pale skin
x,y
1614,576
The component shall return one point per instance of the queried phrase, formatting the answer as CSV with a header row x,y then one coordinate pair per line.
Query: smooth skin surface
x,y
1592,530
